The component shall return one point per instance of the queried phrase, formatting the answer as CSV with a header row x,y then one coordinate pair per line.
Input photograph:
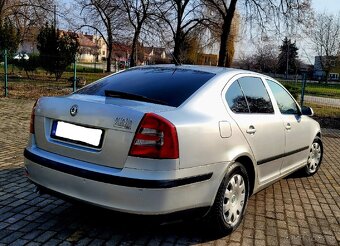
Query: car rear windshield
x,y
172,86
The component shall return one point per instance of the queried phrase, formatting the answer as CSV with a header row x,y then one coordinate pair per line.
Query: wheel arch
x,y
318,134
249,166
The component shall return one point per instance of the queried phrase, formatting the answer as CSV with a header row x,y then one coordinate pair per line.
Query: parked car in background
x,y
21,56
162,139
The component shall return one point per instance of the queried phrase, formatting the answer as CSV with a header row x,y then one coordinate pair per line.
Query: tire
x,y
314,158
234,190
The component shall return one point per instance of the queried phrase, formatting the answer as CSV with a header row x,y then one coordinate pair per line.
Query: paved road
x,y
334,102
293,211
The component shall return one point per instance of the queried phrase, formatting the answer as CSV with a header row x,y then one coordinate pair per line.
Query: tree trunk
x,y
133,48
222,55
226,27
179,36
327,76
109,53
177,50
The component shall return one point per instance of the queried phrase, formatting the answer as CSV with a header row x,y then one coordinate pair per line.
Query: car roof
x,y
209,69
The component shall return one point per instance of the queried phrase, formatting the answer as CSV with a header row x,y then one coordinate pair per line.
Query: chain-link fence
x,y
33,76
323,97
315,92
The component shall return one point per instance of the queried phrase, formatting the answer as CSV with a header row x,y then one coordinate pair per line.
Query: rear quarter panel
x,y
197,124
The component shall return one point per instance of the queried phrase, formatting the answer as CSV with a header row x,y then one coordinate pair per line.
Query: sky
x,y
320,6
328,6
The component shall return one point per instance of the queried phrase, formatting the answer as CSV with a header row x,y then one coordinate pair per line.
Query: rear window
x,y
169,85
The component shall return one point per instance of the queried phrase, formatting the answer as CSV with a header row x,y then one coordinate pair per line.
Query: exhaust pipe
x,y
26,173
37,189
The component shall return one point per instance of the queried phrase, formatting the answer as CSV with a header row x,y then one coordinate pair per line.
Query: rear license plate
x,y
77,134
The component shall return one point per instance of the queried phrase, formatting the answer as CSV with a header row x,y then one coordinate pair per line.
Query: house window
x,y
333,63
333,76
103,53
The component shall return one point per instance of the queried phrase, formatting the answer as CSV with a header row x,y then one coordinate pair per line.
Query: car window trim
x,y
244,95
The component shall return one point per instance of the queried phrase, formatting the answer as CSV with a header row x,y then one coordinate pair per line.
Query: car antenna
x,y
166,47
177,63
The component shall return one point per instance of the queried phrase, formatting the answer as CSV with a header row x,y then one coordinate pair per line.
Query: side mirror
x,y
307,111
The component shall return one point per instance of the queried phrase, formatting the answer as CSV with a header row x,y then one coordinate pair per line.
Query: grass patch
x,y
324,111
83,69
316,89
323,92
89,77
42,84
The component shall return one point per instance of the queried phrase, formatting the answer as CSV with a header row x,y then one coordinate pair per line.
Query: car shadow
x,y
77,221
295,175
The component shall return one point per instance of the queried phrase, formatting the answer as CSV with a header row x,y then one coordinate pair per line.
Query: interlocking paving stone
x,y
293,211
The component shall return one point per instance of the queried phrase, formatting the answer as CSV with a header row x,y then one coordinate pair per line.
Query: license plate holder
x,y
78,134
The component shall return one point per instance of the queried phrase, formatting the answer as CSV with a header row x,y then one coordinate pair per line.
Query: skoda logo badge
x,y
74,110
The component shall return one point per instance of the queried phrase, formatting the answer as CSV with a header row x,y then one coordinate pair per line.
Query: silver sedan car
x,y
163,139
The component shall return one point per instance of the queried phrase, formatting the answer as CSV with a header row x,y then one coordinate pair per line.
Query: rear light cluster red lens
x,y
32,117
155,138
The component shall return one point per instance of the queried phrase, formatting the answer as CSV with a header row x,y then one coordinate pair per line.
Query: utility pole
x,y
287,58
303,87
6,73
75,74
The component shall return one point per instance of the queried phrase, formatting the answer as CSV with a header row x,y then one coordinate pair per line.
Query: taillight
x,y
32,117
155,138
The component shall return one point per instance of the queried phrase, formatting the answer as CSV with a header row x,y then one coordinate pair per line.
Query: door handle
x,y
288,126
251,130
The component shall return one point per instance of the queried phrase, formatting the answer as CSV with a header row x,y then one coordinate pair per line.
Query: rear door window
x,y
169,85
235,99
256,95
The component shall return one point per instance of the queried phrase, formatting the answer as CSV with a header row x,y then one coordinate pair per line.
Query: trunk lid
x,y
117,120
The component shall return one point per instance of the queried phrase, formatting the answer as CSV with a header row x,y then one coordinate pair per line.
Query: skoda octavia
x,y
162,139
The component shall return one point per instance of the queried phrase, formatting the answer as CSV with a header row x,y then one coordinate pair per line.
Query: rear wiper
x,y
124,95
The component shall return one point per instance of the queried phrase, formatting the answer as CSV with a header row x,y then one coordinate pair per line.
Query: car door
x,y
297,132
251,108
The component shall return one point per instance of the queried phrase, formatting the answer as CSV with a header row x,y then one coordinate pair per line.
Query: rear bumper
x,y
127,190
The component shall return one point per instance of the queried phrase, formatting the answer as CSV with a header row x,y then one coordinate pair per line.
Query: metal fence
x,y
25,78
323,97
326,94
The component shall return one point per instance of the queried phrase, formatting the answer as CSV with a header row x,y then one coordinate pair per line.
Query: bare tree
x,y
259,12
181,17
326,38
26,14
263,60
138,12
224,15
105,17
35,11
245,61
